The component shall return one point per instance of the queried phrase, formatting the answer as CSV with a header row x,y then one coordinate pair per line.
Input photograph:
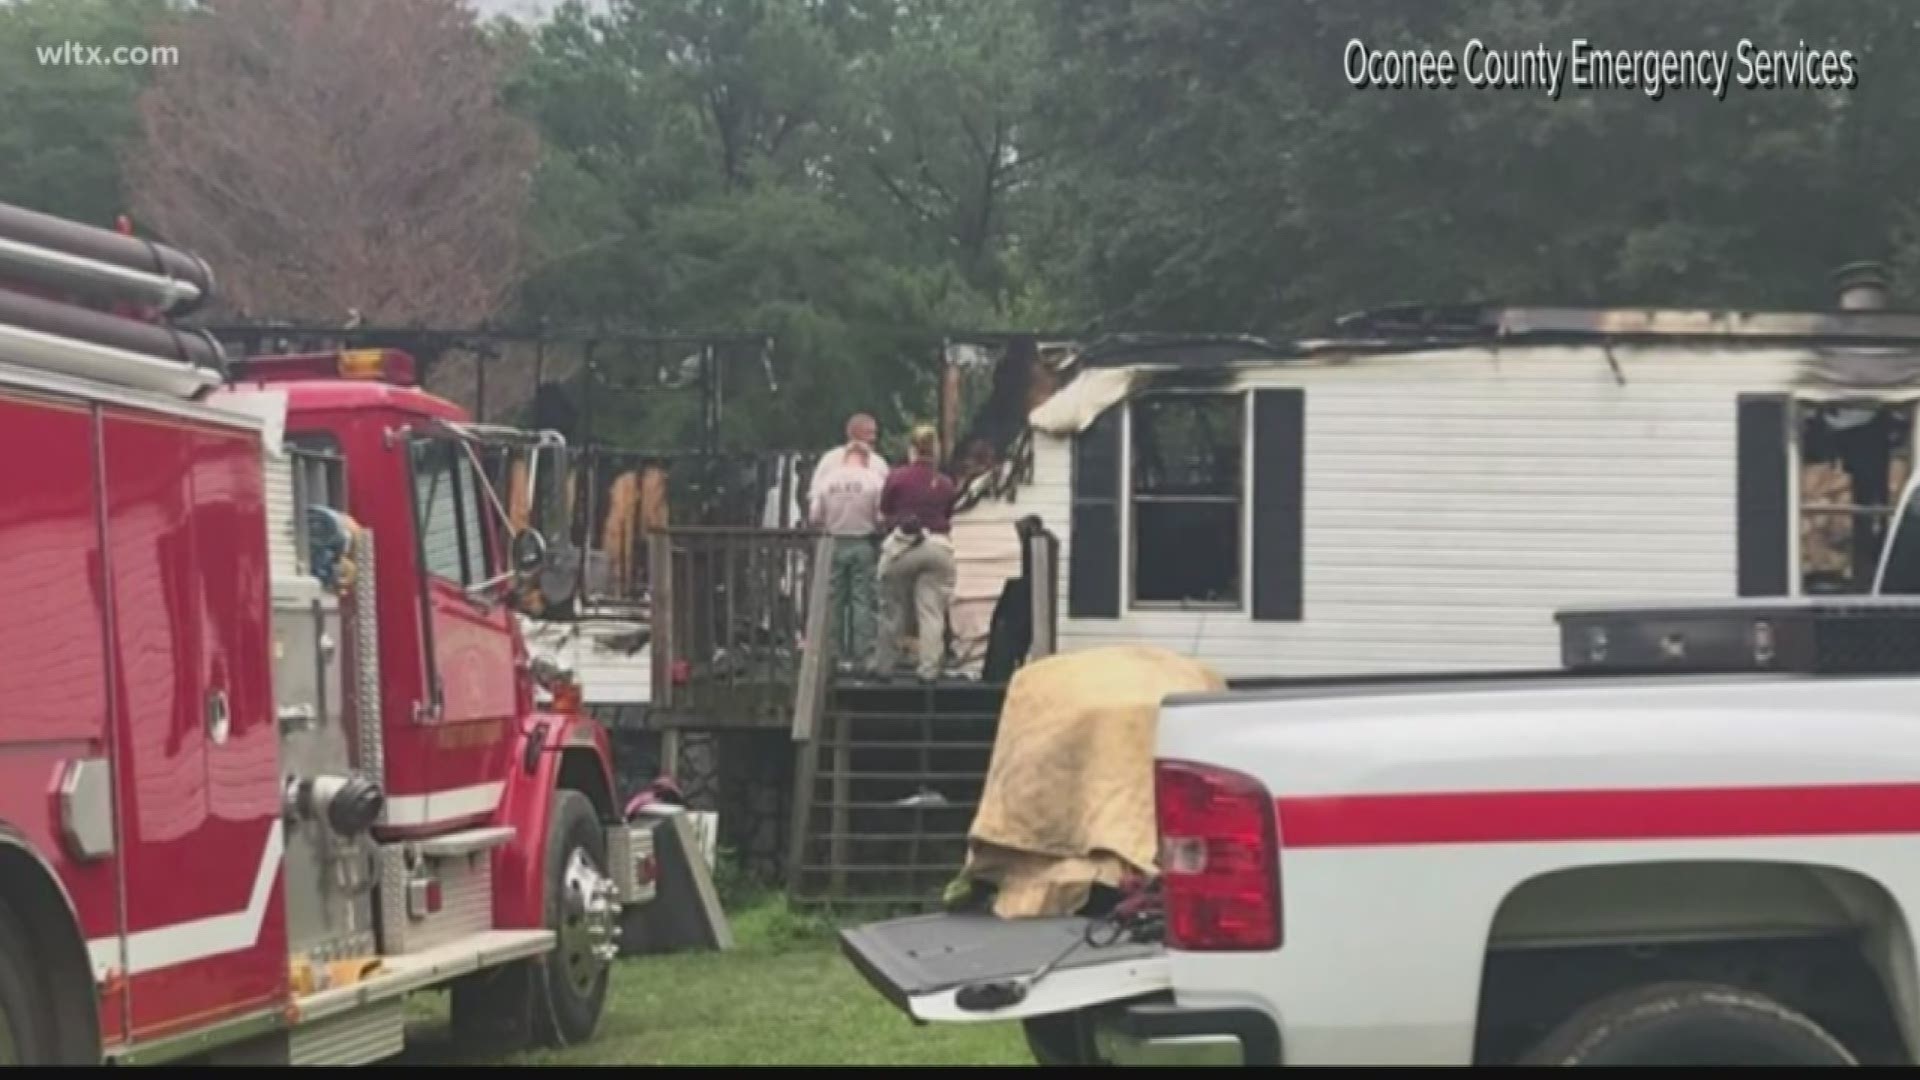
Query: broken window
x,y
1185,496
1854,460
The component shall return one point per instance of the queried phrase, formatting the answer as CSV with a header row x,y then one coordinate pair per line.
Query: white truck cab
x,y
1695,843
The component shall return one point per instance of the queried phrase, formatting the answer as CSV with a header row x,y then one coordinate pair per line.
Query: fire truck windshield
x,y
520,476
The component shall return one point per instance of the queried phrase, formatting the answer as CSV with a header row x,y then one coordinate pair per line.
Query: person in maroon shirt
x,y
916,559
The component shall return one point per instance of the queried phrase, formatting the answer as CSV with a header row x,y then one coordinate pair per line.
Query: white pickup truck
x,y
1697,843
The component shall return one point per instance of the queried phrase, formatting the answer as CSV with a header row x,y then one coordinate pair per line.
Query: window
x,y
1854,460
319,481
1185,494
1093,557
453,528
319,472
1903,558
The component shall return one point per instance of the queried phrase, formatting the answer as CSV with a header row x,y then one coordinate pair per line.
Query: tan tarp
x,y
1068,799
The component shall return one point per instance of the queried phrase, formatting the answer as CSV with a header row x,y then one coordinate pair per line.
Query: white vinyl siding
x,y
1455,499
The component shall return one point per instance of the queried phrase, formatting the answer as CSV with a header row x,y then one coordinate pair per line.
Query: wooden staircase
x,y
888,774
887,789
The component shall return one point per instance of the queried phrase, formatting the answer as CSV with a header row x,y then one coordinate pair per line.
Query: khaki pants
x,y
921,574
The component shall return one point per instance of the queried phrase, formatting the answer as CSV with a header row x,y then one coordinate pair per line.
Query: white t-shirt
x,y
833,459
846,499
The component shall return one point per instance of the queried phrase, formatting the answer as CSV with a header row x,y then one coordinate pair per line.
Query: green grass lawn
x,y
783,996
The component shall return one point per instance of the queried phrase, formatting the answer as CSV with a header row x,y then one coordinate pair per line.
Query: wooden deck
x,y
729,624
887,773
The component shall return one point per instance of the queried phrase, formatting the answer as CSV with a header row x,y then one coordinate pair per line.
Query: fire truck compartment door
x,y
197,767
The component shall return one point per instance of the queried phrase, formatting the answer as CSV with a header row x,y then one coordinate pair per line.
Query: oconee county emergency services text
x,y
1582,66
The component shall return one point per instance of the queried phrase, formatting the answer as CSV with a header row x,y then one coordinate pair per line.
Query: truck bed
x,y
921,963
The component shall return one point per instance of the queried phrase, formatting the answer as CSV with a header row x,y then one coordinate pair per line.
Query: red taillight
x,y
1220,858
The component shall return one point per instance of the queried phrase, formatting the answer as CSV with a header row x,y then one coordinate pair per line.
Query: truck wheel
x,y
582,913
1688,1024
1060,1039
557,999
26,1029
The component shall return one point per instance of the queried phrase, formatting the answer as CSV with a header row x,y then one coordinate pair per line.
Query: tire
x,y
27,1034
1061,1039
573,978
1688,1023
555,1000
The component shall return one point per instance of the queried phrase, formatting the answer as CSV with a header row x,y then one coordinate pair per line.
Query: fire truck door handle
x,y
218,718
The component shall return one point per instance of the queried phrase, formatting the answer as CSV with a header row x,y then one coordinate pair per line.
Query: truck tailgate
x,y
922,962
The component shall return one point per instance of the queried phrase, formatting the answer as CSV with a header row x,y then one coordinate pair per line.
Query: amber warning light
x,y
383,365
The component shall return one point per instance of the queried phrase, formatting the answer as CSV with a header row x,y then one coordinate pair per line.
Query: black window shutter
x,y
1279,504
1764,517
1093,558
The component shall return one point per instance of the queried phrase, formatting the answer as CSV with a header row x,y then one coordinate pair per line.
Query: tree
x,y
693,181
943,128
849,175
65,122
335,158
1218,171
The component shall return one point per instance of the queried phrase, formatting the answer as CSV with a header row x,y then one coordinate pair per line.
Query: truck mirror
x,y
529,551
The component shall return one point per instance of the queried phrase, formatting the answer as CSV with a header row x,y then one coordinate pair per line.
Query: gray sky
x,y
530,10
525,10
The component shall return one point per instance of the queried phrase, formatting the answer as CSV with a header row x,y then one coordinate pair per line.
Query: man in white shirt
x,y
862,431
844,502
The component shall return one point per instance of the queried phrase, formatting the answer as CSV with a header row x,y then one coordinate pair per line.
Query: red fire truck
x,y
270,757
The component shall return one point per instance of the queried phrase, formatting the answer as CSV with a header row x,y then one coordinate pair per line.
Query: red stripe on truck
x,y
1505,817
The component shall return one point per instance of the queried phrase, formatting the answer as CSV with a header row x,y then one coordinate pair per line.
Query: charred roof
x,y
1198,349
1426,325
1417,327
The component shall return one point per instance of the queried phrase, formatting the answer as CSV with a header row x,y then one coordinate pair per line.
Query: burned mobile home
x,y
1420,490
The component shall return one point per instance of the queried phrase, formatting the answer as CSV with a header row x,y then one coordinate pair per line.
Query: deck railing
x,y
618,498
729,623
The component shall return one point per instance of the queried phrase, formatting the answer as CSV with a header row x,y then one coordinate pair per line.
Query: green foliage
x,y
65,125
1219,171
772,924
739,165
858,177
